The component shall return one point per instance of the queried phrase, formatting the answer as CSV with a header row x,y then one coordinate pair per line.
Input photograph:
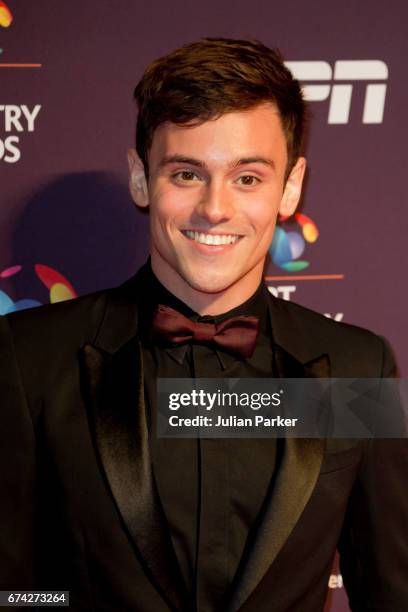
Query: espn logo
x,y
340,93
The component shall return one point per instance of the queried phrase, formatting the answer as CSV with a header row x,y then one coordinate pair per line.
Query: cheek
x,y
262,216
169,204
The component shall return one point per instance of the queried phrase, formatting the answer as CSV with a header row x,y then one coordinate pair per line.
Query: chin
x,y
208,281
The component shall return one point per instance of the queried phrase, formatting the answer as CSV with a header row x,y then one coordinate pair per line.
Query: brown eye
x,y
248,180
186,175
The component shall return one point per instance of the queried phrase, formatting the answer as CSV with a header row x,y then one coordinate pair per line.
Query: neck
x,y
208,303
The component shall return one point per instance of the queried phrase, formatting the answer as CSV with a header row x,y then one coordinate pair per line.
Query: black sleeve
x,y
374,542
17,473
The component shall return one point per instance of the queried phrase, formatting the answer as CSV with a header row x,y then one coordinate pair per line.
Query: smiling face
x,y
214,191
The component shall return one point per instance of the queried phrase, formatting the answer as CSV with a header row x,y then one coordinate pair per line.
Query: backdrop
x,y
68,227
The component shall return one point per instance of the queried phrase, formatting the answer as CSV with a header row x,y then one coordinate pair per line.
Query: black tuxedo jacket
x,y
79,509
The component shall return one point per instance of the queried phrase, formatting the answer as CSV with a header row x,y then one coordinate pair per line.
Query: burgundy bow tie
x,y
236,335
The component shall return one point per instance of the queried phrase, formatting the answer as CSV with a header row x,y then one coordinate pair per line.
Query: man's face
x,y
214,192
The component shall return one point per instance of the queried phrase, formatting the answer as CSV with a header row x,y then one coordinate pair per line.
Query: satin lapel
x,y
295,480
114,389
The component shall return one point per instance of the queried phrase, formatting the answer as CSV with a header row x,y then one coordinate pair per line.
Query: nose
x,y
215,204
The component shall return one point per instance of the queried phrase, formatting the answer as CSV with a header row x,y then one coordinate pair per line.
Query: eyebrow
x,y
192,161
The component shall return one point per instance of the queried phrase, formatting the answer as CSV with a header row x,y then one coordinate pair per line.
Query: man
x,y
93,501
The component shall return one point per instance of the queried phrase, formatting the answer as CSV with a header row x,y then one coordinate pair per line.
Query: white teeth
x,y
211,238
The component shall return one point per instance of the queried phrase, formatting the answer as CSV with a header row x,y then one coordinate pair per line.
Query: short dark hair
x,y
205,79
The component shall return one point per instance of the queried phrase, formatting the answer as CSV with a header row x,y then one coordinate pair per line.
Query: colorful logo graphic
x,y
6,17
59,288
288,246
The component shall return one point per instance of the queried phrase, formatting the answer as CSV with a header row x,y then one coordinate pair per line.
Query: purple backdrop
x,y
63,175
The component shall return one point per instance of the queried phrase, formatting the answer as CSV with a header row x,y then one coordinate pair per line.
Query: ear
x,y
293,188
137,179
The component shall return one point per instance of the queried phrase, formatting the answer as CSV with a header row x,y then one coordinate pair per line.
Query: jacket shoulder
x,y
306,316
353,350
71,321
